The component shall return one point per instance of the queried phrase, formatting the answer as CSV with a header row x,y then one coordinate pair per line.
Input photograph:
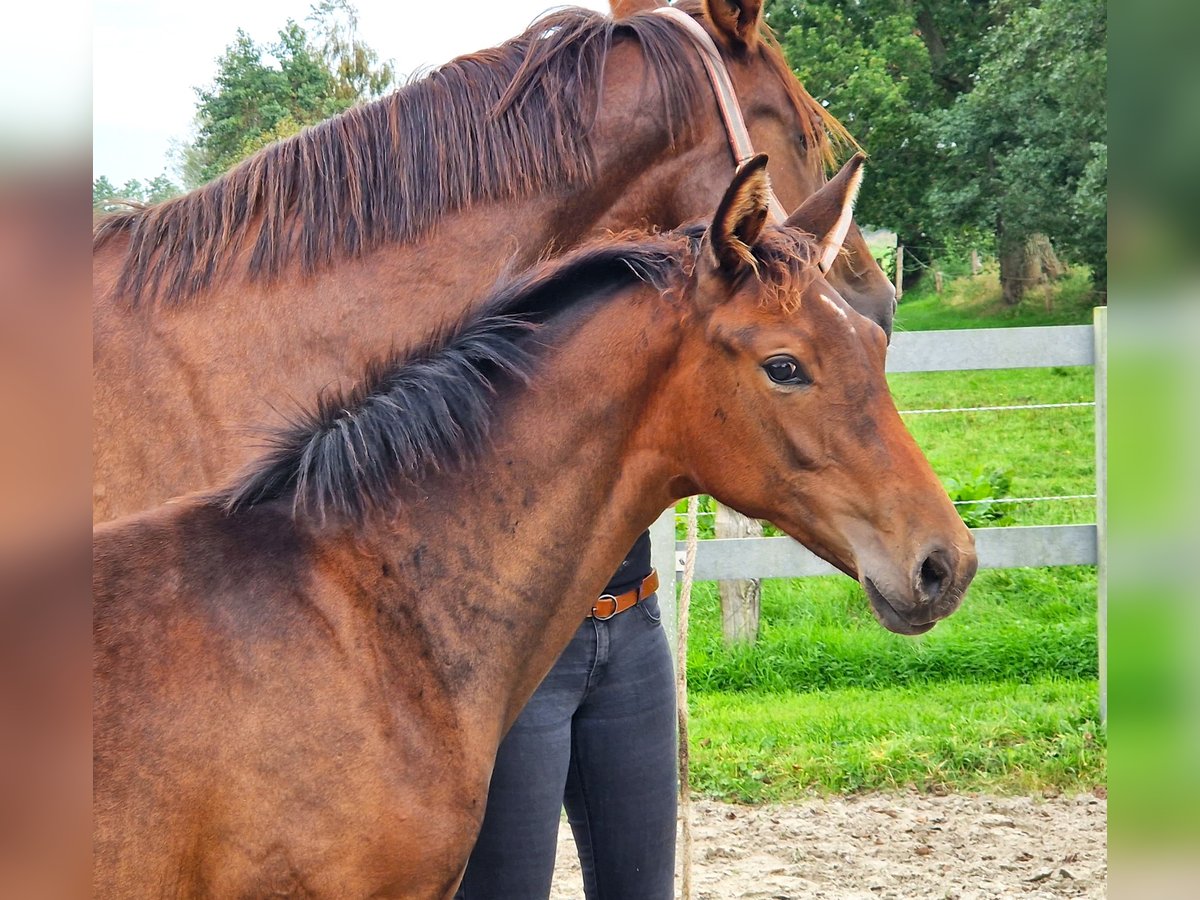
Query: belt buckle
x,y
613,600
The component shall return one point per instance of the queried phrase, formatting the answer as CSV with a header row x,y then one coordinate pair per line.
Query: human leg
x,y
621,786
513,858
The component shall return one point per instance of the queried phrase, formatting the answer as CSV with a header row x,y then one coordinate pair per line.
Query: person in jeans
x,y
598,737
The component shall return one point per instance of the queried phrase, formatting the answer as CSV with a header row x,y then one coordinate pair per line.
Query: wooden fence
x,y
998,548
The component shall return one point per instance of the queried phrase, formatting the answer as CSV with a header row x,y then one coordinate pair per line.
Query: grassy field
x,y
974,302
1001,697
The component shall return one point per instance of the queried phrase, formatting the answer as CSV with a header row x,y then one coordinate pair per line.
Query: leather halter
x,y
727,102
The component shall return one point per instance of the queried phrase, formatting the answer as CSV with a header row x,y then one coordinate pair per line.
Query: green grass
x,y
1008,737
974,302
1000,697
1050,452
819,634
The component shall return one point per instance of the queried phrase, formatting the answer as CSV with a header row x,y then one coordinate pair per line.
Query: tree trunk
x,y
741,600
1013,272
1043,262
1013,266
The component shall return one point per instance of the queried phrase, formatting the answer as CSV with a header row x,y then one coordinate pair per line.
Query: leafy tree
x,y
1088,238
980,117
264,93
1025,151
251,102
357,70
102,192
106,197
882,67
161,188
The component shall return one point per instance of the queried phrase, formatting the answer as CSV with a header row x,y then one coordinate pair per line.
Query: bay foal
x,y
301,681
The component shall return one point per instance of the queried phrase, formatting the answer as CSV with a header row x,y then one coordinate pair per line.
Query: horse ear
x,y
735,20
740,217
623,9
827,214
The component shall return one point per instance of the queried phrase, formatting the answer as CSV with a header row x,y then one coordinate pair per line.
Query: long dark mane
x,y
491,126
432,409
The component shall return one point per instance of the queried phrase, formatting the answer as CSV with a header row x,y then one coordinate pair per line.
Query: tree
x,y
979,117
1025,151
102,192
106,197
264,93
883,67
357,70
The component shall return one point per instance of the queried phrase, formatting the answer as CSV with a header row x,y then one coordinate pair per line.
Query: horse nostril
x,y
935,575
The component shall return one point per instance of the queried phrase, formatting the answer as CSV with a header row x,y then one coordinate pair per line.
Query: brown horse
x,y
368,232
302,680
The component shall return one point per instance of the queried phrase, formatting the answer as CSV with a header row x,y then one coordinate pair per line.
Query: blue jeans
x,y
598,737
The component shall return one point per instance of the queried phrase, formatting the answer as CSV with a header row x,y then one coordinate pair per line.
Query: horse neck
x,y
184,385
501,562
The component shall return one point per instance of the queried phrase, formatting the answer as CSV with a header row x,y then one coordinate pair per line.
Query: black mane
x,y
432,409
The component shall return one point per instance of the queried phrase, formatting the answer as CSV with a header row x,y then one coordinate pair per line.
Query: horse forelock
x,y
785,264
490,126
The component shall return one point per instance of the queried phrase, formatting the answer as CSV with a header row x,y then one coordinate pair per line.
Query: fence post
x,y
899,270
741,598
1100,324
662,557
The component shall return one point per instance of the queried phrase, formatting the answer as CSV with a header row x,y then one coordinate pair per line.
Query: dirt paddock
x,y
890,846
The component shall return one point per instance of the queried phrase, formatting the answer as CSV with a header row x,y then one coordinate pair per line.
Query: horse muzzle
x,y
935,589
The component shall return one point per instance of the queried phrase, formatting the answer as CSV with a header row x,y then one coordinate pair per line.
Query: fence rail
x,y
992,348
723,559
998,548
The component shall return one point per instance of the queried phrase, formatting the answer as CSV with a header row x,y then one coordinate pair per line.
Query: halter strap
x,y
727,102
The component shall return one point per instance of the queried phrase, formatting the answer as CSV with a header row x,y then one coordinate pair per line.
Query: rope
x,y
681,693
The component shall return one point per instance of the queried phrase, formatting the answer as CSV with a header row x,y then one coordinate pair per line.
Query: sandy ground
x,y
888,846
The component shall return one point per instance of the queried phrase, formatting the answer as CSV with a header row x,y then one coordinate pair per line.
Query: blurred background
x,y
1154,624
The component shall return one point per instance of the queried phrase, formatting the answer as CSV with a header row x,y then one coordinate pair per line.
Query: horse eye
x,y
785,370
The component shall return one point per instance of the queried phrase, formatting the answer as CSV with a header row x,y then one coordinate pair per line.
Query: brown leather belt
x,y
607,605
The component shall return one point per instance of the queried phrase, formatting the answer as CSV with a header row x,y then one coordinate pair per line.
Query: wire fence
x,y
1080,404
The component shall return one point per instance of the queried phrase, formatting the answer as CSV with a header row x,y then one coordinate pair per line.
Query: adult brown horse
x,y
367,232
301,681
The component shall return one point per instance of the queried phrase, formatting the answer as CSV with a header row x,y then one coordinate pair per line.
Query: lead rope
x,y
681,691
743,149
739,140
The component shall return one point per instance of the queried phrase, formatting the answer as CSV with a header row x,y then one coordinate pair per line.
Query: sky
x,y
149,55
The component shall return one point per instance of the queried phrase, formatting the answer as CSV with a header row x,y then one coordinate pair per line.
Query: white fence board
x,y
998,548
991,348
1100,319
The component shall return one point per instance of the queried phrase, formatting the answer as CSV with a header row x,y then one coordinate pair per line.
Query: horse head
x,y
784,371
784,122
